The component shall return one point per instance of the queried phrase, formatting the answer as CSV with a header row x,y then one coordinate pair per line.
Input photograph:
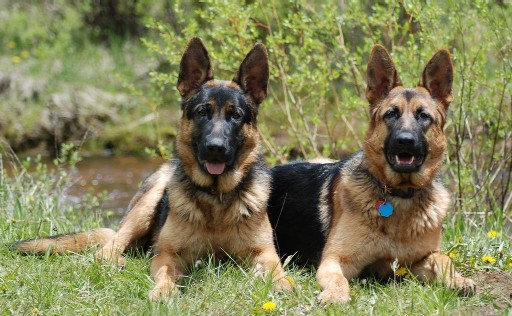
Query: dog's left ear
x,y
437,77
253,74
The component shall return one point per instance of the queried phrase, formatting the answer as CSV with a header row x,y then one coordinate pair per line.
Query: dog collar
x,y
211,190
387,190
384,207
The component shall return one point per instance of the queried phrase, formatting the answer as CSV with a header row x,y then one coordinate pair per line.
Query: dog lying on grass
x,y
386,203
211,198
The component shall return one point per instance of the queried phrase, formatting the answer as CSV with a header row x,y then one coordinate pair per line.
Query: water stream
x,y
120,177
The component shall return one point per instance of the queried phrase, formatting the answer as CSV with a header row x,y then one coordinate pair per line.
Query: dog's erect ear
x,y
437,77
253,74
381,75
195,67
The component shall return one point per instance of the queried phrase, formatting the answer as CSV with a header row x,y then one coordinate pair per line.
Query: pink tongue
x,y
215,167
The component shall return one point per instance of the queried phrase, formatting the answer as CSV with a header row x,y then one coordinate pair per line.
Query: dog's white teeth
x,y
404,161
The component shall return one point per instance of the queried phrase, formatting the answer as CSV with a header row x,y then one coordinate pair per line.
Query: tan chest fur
x,y
200,224
373,241
192,242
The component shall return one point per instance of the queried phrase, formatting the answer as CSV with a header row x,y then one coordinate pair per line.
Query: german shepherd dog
x,y
385,203
211,198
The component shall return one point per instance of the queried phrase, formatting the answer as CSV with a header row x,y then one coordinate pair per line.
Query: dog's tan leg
x,y
134,226
139,219
266,262
439,267
333,282
165,270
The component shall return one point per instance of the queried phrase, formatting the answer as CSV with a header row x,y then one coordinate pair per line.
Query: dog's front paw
x,y
465,286
160,292
333,296
284,284
108,255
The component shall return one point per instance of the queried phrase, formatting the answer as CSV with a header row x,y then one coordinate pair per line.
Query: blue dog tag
x,y
385,209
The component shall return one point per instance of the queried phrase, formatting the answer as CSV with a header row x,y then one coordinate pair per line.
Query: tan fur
x,y
182,241
360,240
63,244
321,160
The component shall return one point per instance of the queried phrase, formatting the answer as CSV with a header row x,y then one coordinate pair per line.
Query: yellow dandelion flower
x,y
11,44
510,264
16,59
35,310
13,220
493,234
269,306
488,259
25,54
290,279
452,254
401,271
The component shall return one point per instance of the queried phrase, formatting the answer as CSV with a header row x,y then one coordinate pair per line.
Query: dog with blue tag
x,y
386,204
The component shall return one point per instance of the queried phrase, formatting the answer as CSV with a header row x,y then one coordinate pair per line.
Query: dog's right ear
x,y
437,77
381,75
195,67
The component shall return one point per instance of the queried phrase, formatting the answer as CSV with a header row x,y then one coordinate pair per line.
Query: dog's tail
x,y
78,242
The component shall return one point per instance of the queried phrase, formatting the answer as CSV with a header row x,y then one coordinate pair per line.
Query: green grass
x,y
34,205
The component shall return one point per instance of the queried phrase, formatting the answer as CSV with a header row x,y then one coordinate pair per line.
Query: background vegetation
x,y
100,75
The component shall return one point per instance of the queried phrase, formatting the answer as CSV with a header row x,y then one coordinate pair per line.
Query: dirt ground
x,y
495,287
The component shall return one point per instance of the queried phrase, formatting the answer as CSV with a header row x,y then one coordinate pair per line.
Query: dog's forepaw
x,y
159,293
465,286
333,296
111,257
285,284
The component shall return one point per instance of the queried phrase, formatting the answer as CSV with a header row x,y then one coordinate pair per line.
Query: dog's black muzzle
x,y
405,151
215,155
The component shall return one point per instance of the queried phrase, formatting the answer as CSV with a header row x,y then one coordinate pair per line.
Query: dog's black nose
x,y
406,139
216,146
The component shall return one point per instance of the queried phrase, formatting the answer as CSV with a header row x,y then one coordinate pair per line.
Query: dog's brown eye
x,y
236,116
202,112
392,114
422,115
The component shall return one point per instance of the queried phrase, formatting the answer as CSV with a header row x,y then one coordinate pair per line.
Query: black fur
x,y
294,208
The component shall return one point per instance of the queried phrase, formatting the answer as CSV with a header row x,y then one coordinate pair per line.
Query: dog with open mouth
x,y
383,206
211,198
